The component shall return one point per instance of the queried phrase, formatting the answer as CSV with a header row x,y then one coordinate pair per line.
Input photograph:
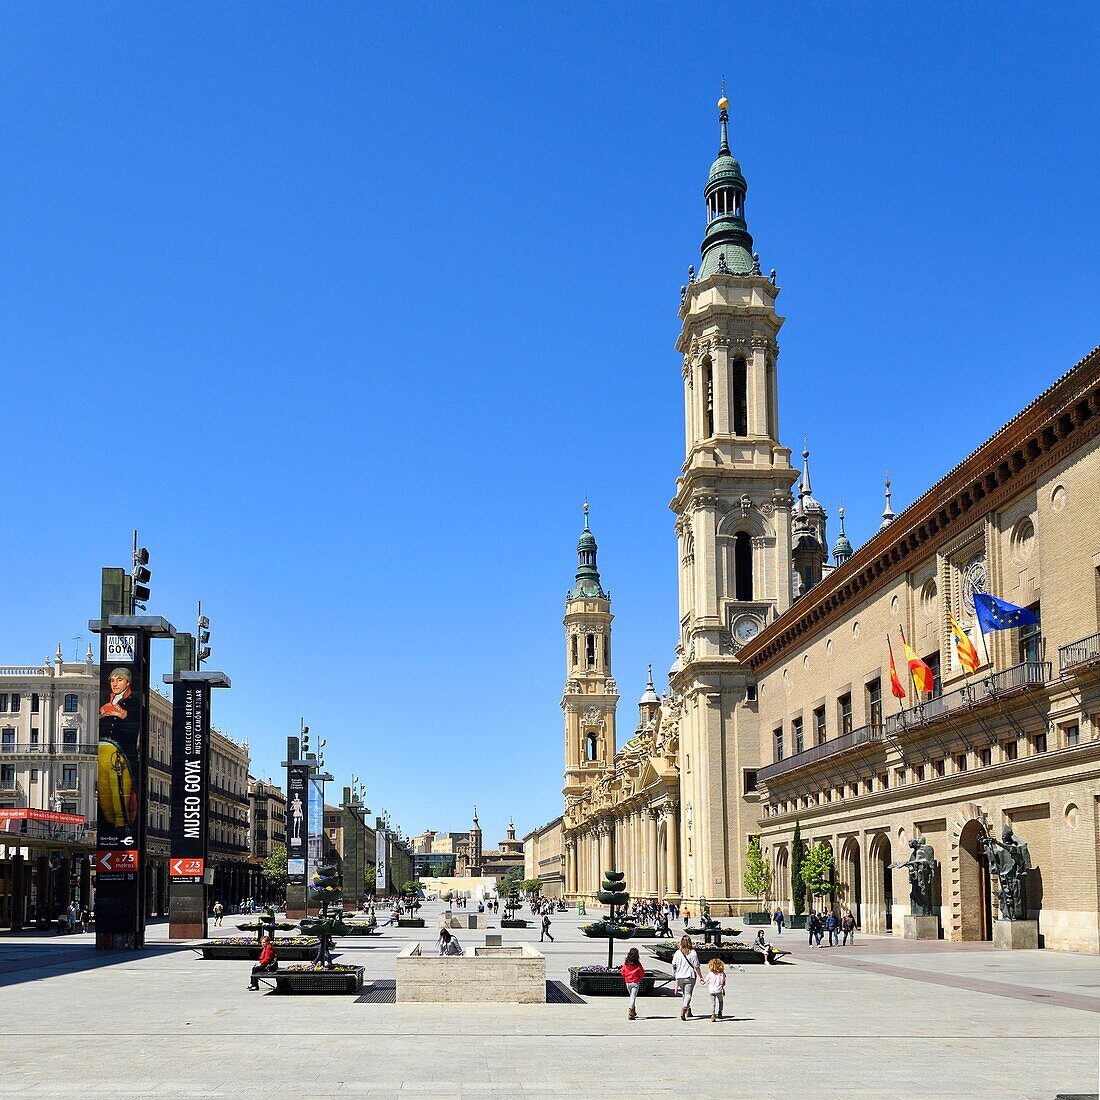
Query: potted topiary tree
x,y
606,979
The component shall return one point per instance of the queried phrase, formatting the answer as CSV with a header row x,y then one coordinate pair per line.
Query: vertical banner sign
x,y
190,777
297,777
316,847
120,823
380,862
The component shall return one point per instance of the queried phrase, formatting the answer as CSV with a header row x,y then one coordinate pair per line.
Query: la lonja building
x,y
777,714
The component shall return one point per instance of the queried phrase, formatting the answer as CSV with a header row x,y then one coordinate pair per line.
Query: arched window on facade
x,y
575,651
590,650
742,566
740,398
591,747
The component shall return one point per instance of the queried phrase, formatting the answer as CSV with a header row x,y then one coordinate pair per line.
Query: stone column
x,y
18,892
672,853
66,880
651,852
86,883
605,853
43,900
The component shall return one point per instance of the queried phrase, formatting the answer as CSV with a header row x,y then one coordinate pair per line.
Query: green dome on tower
x,y
727,246
587,581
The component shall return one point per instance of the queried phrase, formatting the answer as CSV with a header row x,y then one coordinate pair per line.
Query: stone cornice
x,y
1062,420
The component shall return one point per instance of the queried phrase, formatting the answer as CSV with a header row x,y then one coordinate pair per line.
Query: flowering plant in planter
x,y
248,941
332,968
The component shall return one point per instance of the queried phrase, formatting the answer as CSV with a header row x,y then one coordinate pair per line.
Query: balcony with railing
x,y
998,685
48,748
1079,655
846,741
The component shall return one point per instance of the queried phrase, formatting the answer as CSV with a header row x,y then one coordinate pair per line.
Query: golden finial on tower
x,y
723,103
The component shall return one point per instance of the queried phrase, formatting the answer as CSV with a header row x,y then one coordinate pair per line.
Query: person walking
x,y
715,978
778,918
848,927
633,972
686,971
268,961
811,927
219,909
546,928
832,926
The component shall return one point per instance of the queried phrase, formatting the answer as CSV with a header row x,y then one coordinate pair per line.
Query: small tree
x,y
509,881
817,870
758,875
369,881
798,887
274,868
531,886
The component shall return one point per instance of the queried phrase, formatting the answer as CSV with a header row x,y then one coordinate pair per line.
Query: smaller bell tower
x,y
590,695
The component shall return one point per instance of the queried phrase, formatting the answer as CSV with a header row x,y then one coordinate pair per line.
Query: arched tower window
x,y
742,565
708,399
575,652
590,650
606,653
591,747
740,397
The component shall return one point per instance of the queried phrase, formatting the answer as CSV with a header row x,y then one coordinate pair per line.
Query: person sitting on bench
x,y
268,961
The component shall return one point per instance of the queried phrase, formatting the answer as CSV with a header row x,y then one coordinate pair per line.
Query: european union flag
x,y
994,614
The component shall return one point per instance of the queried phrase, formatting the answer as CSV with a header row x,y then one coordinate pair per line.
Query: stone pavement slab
x,y
167,1023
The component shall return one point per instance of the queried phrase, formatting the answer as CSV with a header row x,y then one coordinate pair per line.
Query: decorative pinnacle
x,y
649,680
723,118
887,512
586,513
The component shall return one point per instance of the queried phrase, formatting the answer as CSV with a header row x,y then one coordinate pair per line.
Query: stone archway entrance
x,y
975,893
879,916
851,879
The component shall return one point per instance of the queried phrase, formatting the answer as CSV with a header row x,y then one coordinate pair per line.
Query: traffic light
x,y
139,576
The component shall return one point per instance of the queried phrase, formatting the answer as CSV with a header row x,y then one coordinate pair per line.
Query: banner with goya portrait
x,y
120,823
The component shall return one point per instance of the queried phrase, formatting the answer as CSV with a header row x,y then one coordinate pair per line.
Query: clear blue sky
x,y
347,308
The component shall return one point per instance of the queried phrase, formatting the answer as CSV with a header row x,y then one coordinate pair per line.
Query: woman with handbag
x,y
686,970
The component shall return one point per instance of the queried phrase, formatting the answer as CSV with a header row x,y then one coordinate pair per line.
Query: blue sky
x,y
347,309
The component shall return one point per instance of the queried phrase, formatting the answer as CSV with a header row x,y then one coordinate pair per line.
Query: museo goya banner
x,y
120,824
297,778
190,778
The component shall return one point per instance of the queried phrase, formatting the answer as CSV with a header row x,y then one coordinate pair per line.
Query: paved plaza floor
x,y
882,1019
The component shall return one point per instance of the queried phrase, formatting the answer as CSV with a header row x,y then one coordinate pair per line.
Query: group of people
x,y
73,918
823,922
687,972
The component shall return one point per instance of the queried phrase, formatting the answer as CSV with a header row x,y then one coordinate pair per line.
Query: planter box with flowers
x,y
338,978
410,922
602,981
245,947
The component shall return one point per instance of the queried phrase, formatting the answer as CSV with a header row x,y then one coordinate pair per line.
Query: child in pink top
x,y
715,978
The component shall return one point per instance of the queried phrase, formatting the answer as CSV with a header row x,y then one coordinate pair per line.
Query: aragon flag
x,y
923,679
964,647
896,690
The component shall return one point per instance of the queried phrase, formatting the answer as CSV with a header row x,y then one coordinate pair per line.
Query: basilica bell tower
x,y
590,693
733,525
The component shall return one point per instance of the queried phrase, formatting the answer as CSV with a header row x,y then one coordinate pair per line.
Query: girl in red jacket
x,y
633,972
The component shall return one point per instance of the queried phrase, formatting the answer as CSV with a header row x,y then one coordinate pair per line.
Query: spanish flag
x,y
964,647
923,679
896,690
